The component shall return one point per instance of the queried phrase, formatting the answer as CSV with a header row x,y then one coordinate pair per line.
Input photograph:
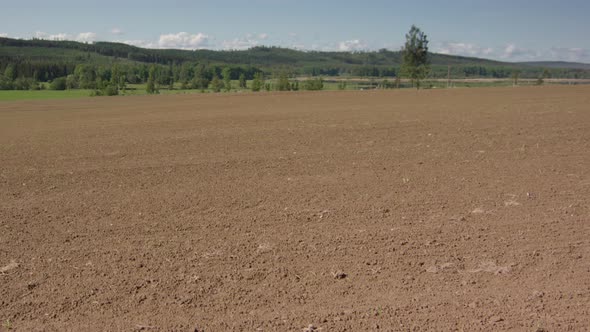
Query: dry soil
x,y
465,209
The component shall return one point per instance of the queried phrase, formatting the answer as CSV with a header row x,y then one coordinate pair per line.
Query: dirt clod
x,y
310,328
8,267
496,319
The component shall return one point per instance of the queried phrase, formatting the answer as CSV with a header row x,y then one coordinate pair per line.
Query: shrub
x,y
71,82
216,84
58,84
283,84
314,84
110,90
258,82
5,83
23,83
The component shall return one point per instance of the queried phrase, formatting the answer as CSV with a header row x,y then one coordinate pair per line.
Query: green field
x,y
329,85
7,95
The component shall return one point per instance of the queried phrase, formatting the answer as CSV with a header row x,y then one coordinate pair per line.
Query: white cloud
x,y
47,36
117,32
138,43
2,34
180,40
352,45
465,49
243,43
86,37
184,40
322,47
569,54
513,52
299,47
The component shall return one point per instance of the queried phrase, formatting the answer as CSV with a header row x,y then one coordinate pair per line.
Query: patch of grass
x,y
11,95
329,85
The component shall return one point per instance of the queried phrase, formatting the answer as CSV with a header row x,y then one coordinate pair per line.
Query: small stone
x,y
446,266
10,266
496,319
340,275
310,328
478,211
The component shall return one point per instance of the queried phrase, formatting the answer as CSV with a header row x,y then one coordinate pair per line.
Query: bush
x,y
314,84
37,86
5,83
71,82
110,90
23,83
216,84
283,84
258,82
58,84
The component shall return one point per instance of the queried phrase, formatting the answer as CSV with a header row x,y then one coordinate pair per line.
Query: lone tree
x,y
226,74
242,81
515,77
216,84
258,82
283,83
151,87
416,64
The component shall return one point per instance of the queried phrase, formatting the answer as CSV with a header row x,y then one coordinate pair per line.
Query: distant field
x,y
10,95
330,84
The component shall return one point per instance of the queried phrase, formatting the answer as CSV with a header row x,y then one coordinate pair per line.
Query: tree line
x,y
109,67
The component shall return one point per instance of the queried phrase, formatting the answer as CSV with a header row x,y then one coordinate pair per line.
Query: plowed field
x,y
464,209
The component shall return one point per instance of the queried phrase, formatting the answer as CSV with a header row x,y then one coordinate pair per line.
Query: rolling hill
x,y
66,55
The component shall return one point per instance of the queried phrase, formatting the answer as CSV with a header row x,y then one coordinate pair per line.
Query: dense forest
x,y
24,64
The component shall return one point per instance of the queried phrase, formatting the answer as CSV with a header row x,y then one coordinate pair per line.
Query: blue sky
x,y
514,30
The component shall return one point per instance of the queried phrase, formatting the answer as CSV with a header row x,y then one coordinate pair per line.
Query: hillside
x,y
260,56
45,60
557,64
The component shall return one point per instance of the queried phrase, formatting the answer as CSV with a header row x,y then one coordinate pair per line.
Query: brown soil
x,y
392,210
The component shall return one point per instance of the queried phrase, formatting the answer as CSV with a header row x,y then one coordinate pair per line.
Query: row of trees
x,y
216,83
27,75
111,80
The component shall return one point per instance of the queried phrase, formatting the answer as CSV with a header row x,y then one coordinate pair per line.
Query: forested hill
x,y
256,56
557,64
44,60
